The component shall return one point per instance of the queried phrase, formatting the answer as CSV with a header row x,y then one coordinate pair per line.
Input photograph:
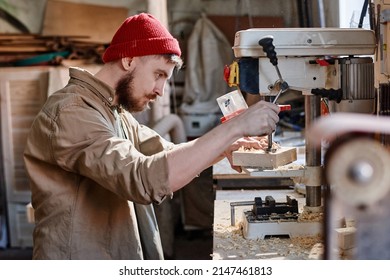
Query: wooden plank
x,y
97,22
16,36
19,49
263,159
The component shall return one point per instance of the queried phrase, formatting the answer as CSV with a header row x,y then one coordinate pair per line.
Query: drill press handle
x,y
269,48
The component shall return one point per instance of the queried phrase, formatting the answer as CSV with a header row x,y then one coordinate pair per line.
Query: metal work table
x,y
227,178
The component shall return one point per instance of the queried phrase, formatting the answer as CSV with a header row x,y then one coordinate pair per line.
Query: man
x,y
95,171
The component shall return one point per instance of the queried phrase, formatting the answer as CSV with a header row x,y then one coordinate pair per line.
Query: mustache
x,y
152,96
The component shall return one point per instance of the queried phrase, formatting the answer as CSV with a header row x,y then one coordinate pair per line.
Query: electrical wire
x,y
363,13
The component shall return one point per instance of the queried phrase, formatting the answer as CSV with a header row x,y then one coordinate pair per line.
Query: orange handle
x,y
285,107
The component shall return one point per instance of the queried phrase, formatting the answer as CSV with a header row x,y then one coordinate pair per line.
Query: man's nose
x,y
159,89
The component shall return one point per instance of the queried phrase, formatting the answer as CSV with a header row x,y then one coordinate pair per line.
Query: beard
x,y
126,98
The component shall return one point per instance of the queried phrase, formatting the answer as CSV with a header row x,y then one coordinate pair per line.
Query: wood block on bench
x,y
263,159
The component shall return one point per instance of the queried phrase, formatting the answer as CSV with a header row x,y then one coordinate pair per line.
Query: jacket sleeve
x,y
149,141
86,143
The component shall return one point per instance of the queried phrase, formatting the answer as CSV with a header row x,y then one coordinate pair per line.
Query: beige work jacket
x,y
94,174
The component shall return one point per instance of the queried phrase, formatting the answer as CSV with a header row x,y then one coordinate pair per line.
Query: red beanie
x,y
141,35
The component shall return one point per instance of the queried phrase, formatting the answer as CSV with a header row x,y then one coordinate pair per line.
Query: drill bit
x,y
269,148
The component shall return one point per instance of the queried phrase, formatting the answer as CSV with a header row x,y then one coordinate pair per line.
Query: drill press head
x,y
309,59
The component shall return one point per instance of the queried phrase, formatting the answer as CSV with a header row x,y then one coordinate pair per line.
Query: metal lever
x,y
269,48
232,210
277,96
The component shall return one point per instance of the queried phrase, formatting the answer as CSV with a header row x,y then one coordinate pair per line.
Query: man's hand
x,y
260,119
248,143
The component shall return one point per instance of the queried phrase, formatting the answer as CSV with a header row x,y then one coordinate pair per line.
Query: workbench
x,y
229,241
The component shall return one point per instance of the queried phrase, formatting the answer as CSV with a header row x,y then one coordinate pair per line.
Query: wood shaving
x,y
306,242
235,246
275,146
306,216
291,167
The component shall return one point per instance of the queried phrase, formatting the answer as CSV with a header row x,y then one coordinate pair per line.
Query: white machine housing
x,y
298,48
306,41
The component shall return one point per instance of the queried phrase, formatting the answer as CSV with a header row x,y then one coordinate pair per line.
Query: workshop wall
x,y
31,13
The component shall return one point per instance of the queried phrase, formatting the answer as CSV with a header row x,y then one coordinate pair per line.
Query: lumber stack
x,y
72,31
39,49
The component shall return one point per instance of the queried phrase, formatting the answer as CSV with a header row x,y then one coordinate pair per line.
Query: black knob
x,y
269,48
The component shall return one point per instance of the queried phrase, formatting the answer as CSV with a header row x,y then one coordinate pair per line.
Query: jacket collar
x,y
99,88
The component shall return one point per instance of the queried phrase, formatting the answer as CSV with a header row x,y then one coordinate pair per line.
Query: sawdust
x,y
275,146
233,245
291,167
306,242
306,216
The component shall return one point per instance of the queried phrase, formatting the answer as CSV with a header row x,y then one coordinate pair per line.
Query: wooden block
x,y
263,159
349,222
346,237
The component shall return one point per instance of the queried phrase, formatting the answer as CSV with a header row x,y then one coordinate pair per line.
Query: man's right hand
x,y
259,119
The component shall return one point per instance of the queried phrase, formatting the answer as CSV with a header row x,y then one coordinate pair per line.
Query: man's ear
x,y
126,62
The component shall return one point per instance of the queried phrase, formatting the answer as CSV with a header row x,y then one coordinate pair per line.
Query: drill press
x,y
321,63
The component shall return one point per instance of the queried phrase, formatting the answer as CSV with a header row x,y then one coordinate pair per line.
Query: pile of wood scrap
x,y
70,31
34,49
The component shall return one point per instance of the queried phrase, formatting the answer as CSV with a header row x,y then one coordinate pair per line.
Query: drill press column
x,y
313,155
